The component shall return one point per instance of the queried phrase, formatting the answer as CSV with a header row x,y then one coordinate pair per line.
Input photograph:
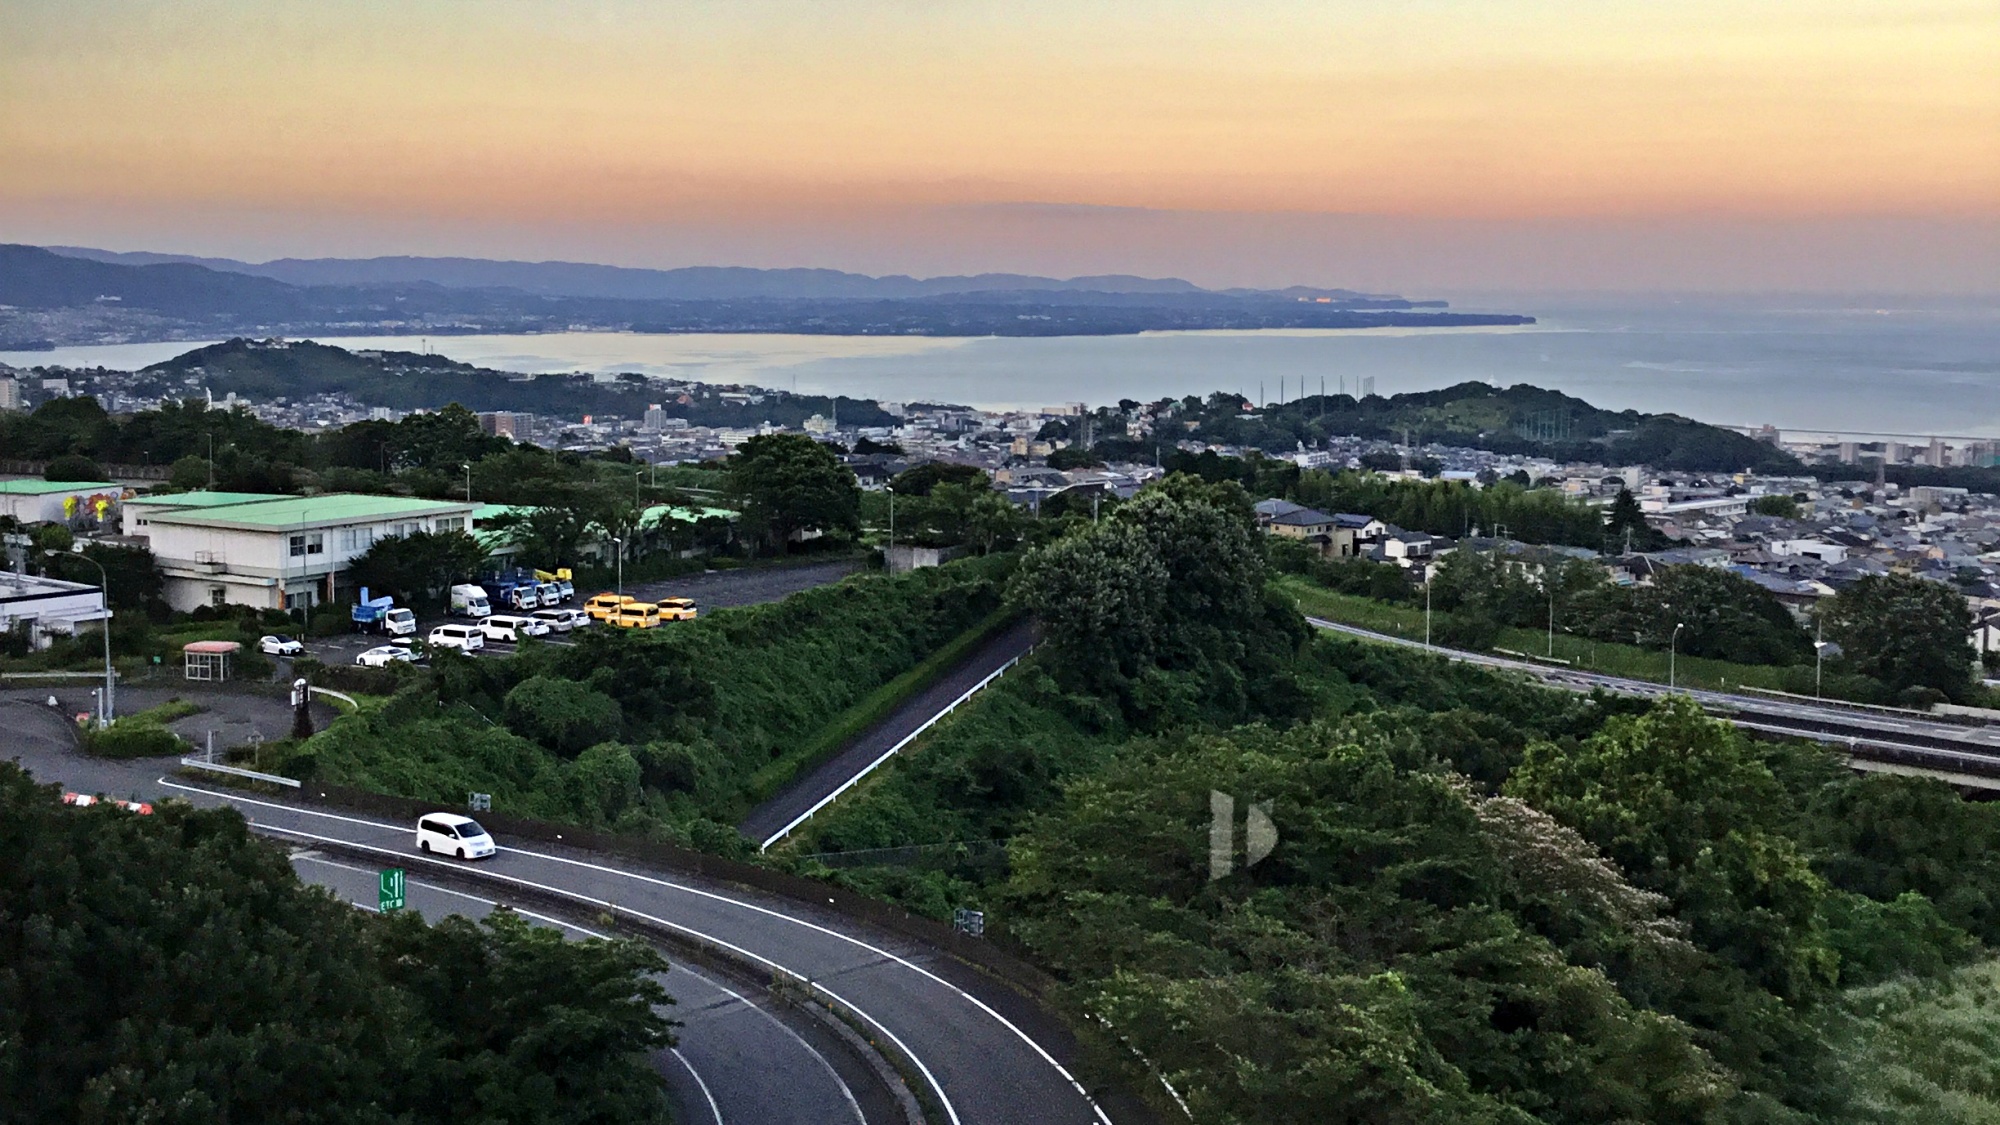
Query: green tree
x,y
1905,631
1776,504
1726,617
1162,605
919,480
73,467
1682,804
172,968
789,483
1626,524
419,568
562,715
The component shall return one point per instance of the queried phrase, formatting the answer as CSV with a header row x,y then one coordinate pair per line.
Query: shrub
x,y
130,739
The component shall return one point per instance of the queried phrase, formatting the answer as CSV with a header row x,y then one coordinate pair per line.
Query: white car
x,y
279,646
465,638
384,656
561,620
454,835
509,629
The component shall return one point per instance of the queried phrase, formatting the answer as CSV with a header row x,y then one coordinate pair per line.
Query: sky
x,y
1407,144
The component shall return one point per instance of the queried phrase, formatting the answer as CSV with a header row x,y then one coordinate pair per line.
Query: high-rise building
x,y
656,418
10,393
499,423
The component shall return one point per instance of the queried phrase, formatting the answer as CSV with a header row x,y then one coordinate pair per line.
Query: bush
x,y
1465,630
130,739
73,467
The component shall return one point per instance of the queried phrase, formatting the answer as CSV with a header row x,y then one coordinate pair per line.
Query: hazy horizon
x,y
1524,145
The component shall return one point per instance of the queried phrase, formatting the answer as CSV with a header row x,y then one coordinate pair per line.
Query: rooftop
x,y
204,499
302,511
46,487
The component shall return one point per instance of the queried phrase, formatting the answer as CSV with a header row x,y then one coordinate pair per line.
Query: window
x,y
354,540
218,595
311,543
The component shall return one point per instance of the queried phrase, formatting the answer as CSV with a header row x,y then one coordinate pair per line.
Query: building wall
x,y
248,566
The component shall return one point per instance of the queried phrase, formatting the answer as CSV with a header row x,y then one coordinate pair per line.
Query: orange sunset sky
x,y
1387,143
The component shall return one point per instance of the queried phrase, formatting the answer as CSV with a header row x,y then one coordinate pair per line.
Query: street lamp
x,y
618,545
1427,608
468,482
1552,621
108,708
1820,644
891,490
1673,644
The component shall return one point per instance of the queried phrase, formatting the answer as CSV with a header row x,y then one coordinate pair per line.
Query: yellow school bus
x,y
636,615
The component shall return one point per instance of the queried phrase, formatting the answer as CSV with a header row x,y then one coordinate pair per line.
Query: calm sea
x,y
1877,365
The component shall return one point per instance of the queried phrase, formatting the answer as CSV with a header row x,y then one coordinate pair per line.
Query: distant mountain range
x,y
691,283
72,295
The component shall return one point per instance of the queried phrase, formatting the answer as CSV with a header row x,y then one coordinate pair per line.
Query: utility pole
x,y
1819,655
1427,609
1552,620
1673,647
107,708
211,460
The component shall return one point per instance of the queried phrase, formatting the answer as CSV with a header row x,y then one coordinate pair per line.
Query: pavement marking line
x,y
847,1092
853,1102
696,1075
854,941
936,1086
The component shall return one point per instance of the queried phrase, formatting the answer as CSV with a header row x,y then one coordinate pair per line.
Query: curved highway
x,y
985,1054
1866,732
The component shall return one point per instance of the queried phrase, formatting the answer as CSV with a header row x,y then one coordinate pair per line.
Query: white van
x,y
452,834
465,638
508,629
561,620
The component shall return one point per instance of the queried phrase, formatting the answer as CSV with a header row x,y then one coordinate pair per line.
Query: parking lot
x,y
714,589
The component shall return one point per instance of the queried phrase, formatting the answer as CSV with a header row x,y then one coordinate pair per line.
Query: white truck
x,y
470,601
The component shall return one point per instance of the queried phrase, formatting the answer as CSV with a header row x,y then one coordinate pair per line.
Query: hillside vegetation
x,y
1487,901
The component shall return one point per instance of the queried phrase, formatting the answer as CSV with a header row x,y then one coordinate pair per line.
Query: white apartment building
x,y
278,552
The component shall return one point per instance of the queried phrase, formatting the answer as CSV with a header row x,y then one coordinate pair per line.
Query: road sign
x,y
971,923
390,886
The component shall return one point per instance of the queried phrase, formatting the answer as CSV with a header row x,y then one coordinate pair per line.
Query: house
x,y
282,553
1301,523
1810,548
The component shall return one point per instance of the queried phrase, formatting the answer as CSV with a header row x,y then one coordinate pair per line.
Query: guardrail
x,y
889,753
237,771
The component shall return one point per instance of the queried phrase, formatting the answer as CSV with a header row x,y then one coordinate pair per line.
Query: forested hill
x,y
81,298
1517,419
298,369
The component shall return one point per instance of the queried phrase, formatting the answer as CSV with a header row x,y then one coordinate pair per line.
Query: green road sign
x,y
391,888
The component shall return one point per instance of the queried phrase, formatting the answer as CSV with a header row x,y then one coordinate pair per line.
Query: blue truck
x,y
382,615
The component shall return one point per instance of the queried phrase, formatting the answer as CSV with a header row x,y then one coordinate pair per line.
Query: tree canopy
x,y
172,968
790,483
1905,631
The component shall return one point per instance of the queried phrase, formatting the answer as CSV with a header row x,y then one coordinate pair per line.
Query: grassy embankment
x,y
1593,656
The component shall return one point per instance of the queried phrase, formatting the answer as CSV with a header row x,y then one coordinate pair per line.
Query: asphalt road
x,y
1802,718
987,1055
770,821
730,1043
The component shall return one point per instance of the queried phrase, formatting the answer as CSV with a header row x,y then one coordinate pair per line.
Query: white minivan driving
x,y
454,835
464,638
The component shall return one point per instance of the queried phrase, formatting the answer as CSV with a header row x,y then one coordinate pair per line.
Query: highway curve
x,y
987,1055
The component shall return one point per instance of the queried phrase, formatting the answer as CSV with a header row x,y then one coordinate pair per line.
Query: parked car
x,y
279,645
677,609
635,615
509,629
561,620
452,834
601,607
384,655
465,638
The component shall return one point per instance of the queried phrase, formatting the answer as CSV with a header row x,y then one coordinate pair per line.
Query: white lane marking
x,y
712,1107
557,922
857,942
847,1092
936,1086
